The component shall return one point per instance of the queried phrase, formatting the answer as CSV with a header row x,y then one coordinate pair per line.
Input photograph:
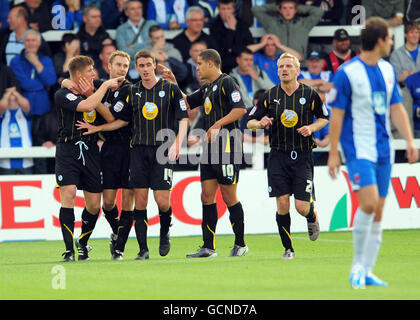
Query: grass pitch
x,y
28,270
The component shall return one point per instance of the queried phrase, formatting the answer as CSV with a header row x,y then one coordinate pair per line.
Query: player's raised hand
x,y
334,163
265,122
167,74
86,87
84,125
114,83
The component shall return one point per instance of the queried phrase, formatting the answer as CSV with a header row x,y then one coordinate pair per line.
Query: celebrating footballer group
x,y
138,120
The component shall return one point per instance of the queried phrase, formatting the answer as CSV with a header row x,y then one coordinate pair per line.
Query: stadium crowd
x,y
32,69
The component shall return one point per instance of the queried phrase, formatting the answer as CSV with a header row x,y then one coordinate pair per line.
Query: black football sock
x,y
124,228
165,220
141,225
311,215
112,217
283,223
88,224
66,217
208,226
236,218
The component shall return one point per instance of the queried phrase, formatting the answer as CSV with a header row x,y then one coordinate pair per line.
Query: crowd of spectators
x,y
31,69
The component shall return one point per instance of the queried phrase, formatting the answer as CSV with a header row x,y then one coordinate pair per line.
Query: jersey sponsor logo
x,y
182,104
71,96
207,105
289,118
89,117
236,96
150,110
118,106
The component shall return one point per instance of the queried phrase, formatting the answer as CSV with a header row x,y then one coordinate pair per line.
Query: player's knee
x,y
163,204
208,197
283,204
303,209
108,204
369,206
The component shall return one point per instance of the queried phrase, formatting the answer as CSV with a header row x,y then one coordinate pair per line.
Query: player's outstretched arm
x,y
400,120
336,123
111,126
95,99
255,124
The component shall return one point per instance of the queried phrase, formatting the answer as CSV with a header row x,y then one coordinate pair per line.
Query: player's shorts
x,y
146,171
115,163
226,174
79,164
363,173
291,172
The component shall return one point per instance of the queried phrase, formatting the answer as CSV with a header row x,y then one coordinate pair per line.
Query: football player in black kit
x,y
220,162
288,109
77,156
151,106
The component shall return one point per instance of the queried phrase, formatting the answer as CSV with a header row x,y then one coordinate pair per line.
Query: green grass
x,y
319,271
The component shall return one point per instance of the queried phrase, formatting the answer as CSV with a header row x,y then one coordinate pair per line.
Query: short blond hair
x,y
79,63
119,53
290,56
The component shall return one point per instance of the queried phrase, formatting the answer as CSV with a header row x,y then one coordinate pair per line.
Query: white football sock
x,y
361,230
373,245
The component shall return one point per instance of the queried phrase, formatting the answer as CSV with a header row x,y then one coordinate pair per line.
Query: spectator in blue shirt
x,y
267,59
4,13
35,73
169,14
413,85
322,81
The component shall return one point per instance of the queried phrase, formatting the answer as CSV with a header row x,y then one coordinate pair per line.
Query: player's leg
x,y
110,208
208,226
89,218
368,202
362,174
125,222
66,217
162,198
283,224
303,191
280,186
140,221
236,217
373,246
383,176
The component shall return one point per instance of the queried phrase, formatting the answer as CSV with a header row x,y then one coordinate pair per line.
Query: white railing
x,y
257,150
317,31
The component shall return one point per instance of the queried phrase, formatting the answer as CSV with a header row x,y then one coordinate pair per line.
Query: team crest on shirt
x,y
150,110
302,100
161,93
89,117
378,102
289,118
207,105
